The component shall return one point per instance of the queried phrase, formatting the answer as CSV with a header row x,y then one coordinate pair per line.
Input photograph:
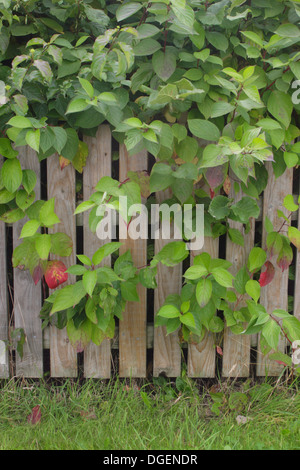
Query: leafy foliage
x,y
207,88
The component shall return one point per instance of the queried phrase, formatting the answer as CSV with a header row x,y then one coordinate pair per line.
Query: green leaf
x,y
104,251
33,139
47,215
195,272
129,292
89,280
188,320
219,207
70,148
271,332
6,149
11,174
204,129
289,203
222,276
146,47
294,237
43,245
257,259
84,259
288,30
164,64
292,326
20,122
168,311
77,105
203,292
253,289
236,236
128,9
280,106
30,228
68,297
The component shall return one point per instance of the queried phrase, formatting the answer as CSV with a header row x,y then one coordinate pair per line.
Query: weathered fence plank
x,y
97,361
297,281
202,356
27,295
4,364
236,350
132,341
274,295
167,351
61,185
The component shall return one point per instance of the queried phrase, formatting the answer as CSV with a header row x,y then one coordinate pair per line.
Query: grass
x,y
155,416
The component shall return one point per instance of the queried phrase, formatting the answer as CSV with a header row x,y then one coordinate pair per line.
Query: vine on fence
x,y
163,74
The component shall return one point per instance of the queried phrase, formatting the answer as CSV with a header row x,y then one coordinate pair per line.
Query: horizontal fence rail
x,y
141,348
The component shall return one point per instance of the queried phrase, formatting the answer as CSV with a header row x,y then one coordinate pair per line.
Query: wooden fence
x,y
142,350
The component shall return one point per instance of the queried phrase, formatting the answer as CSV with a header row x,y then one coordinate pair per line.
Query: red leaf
x,y
37,274
267,276
283,262
35,416
281,363
227,185
215,176
219,350
55,274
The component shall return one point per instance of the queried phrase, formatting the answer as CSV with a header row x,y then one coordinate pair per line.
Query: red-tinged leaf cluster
x,y
267,276
219,350
35,416
55,274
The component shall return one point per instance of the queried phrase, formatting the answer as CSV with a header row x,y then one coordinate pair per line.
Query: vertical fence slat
x,y
202,356
132,330
274,295
61,185
236,350
4,366
27,295
97,362
297,280
167,352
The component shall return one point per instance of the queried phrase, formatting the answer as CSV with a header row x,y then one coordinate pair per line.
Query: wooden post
x,y
96,358
236,350
167,351
275,294
202,356
132,342
4,364
27,295
61,185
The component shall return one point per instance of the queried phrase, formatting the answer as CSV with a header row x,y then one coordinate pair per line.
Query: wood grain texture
x,y
297,280
274,295
132,339
167,351
236,349
97,359
202,356
61,185
27,295
4,368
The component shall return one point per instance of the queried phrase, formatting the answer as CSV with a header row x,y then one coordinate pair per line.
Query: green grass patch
x,y
161,415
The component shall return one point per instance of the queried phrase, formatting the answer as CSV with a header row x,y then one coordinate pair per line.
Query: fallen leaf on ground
x,y
35,416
